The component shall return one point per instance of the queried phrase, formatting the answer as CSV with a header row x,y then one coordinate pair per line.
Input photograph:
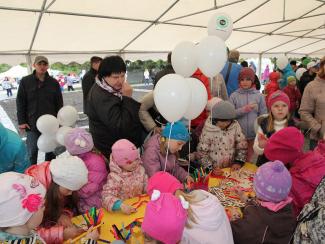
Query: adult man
x,y
38,94
307,76
89,78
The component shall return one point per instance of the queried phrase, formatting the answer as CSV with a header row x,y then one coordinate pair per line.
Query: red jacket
x,y
272,85
206,82
294,96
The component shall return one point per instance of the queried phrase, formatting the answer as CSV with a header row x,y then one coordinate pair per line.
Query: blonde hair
x,y
190,198
270,119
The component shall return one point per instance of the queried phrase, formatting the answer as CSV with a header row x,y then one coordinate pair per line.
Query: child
x,y
222,143
207,220
272,85
278,118
154,156
62,177
293,93
79,142
249,104
13,153
21,208
126,179
270,219
307,169
164,219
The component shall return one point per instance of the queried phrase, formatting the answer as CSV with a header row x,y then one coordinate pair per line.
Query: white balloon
x,y
184,59
300,72
282,62
172,96
67,115
46,143
47,124
220,24
199,98
212,55
60,134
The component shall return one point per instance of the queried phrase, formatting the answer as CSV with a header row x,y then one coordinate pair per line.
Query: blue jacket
x,y
243,97
232,84
287,71
13,153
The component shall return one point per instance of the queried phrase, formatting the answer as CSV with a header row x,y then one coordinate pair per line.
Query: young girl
x,y
270,218
126,179
222,143
293,93
307,169
207,220
62,177
164,219
21,208
278,118
79,142
249,104
155,149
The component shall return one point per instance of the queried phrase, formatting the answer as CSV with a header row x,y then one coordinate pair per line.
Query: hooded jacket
x,y
243,97
122,185
13,153
272,85
211,224
222,147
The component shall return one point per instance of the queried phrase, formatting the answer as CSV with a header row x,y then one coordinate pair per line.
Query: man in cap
x,y
307,76
38,94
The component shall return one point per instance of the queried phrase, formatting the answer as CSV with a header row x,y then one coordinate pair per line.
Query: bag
x,y
311,220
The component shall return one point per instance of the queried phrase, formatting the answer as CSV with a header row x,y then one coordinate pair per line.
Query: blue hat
x,y
179,131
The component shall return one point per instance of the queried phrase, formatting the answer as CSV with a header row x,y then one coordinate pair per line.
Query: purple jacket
x,y
90,194
154,161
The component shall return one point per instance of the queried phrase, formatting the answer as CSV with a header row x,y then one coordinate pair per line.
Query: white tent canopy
x,y
141,29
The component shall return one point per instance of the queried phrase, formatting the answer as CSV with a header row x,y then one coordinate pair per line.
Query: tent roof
x,y
146,27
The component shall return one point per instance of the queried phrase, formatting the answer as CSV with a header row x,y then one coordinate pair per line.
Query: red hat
x,y
274,76
278,96
246,73
285,145
163,182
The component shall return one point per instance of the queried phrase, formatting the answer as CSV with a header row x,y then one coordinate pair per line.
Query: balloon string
x,y
170,132
211,78
189,147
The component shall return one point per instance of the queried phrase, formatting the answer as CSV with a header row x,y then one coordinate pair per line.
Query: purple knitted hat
x,y
272,182
78,141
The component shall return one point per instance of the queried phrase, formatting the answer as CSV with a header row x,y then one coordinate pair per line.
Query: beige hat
x,y
39,59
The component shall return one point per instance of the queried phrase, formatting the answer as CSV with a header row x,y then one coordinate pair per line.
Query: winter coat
x,y
90,194
212,223
36,98
261,225
232,83
122,185
312,108
146,118
87,82
222,147
304,80
243,97
112,118
154,161
13,153
271,86
307,172
32,238
294,96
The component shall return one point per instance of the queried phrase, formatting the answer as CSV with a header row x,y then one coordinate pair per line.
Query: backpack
x,y
311,220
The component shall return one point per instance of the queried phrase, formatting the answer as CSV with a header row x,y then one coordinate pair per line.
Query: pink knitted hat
x,y
124,152
165,218
163,182
278,96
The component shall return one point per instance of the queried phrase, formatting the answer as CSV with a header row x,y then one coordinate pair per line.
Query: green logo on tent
x,y
222,23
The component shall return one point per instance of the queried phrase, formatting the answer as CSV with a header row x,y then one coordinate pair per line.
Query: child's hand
x,y
262,140
127,209
72,232
65,221
234,214
93,234
235,167
157,130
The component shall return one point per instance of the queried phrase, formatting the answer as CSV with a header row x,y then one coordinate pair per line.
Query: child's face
x,y
279,110
223,124
292,82
64,191
36,218
246,83
175,145
131,166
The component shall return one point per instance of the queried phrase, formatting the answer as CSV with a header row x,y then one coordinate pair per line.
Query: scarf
x,y
108,88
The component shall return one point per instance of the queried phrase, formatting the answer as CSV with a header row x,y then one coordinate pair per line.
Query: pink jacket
x,y
154,161
307,172
90,194
41,172
122,185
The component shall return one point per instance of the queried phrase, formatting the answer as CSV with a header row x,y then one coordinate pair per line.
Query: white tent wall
x,y
75,30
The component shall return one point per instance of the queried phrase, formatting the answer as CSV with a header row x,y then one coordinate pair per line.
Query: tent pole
x,y
259,65
29,63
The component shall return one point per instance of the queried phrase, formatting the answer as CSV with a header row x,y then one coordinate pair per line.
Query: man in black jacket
x,y
89,79
307,76
38,94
